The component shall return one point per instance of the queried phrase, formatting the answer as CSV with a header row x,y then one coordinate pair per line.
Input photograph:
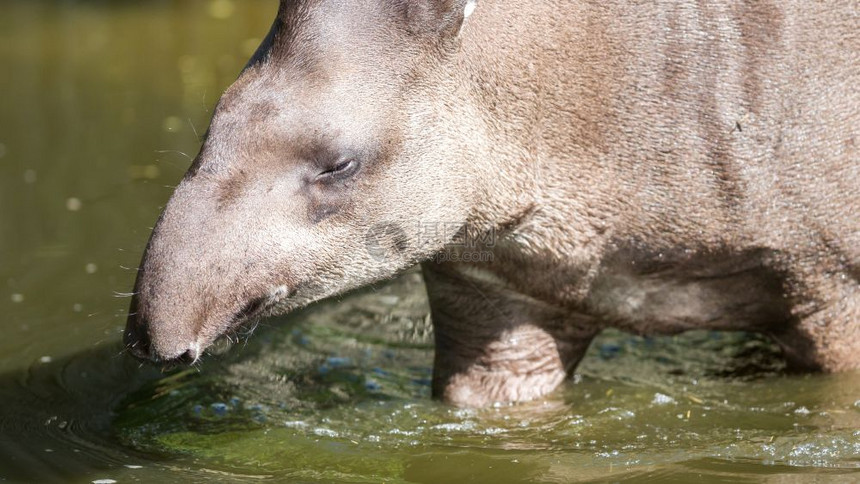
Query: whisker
x,y
191,123
161,152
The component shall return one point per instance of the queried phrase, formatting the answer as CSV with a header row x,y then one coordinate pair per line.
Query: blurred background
x,y
102,106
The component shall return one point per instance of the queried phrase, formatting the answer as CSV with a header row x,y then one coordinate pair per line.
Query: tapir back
x,y
730,119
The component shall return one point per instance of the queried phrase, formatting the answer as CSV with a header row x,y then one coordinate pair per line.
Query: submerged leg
x,y
496,345
826,333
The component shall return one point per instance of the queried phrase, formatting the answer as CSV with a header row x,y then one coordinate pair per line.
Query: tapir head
x,y
345,132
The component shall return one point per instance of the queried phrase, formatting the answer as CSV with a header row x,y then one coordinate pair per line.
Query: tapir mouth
x,y
240,325
256,309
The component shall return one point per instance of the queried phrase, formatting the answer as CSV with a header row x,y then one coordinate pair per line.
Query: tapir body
x,y
557,167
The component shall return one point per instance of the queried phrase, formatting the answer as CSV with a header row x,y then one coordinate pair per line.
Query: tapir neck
x,y
543,118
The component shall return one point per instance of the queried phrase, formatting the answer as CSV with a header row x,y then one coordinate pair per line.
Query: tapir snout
x,y
195,284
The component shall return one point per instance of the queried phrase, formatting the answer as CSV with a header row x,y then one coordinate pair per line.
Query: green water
x,y
101,103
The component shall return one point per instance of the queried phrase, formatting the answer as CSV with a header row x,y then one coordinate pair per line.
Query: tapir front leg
x,y
826,332
494,344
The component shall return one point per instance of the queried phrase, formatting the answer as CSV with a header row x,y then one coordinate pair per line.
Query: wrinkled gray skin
x,y
656,167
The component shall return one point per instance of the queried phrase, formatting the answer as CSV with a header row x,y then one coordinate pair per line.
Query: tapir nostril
x,y
138,347
136,336
190,356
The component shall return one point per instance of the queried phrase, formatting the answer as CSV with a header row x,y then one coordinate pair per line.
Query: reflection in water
x,y
56,416
103,105
343,390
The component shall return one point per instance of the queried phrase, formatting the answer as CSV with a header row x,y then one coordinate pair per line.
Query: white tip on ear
x,y
470,7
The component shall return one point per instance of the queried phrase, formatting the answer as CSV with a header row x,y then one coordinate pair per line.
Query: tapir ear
x,y
441,17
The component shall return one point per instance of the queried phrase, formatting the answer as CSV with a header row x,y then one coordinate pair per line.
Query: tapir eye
x,y
341,171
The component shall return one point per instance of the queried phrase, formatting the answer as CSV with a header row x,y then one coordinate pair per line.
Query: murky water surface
x,y
100,111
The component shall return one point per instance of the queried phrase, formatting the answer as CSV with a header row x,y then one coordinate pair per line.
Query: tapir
x,y
556,167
